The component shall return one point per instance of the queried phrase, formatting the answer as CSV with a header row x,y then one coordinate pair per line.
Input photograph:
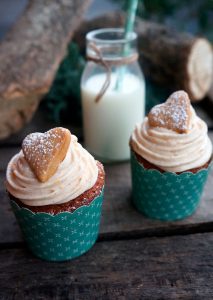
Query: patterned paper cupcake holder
x,y
166,196
62,236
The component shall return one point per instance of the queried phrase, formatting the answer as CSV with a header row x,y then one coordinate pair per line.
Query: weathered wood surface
x,y
179,267
41,123
168,57
30,55
119,219
128,262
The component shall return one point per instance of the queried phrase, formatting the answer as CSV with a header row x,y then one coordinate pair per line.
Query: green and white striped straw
x,y
129,25
130,20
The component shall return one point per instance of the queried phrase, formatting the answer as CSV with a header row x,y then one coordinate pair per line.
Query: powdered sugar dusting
x,y
38,144
173,114
39,148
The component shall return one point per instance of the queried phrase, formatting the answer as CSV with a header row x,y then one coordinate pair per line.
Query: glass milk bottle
x,y
112,92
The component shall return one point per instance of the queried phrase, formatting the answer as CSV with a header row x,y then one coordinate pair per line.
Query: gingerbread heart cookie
x,y
174,114
45,151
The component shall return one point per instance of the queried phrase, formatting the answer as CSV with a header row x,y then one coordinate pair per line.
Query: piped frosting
x,y
76,174
171,150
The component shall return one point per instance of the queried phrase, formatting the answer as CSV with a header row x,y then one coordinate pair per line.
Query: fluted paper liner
x,y
62,236
166,196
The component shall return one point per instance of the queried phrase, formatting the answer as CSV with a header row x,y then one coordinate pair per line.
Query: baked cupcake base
x,y
166,195
147,165
72,205
62,232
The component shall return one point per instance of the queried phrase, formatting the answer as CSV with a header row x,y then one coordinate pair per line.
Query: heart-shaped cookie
x,y
174,114
45,151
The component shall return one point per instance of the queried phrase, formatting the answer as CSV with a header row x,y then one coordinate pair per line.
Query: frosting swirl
x,y
76,174
170,150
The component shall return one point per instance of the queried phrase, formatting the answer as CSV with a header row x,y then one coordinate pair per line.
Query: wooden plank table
x,y
134,257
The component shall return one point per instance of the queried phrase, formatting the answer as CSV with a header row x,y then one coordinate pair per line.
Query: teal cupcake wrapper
x,y
62,236
166,196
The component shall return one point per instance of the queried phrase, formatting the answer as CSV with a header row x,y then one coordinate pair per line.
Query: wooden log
x,y
30,55
178,267
177,60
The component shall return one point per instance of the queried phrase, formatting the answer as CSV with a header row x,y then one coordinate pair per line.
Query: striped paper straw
x,y
129,25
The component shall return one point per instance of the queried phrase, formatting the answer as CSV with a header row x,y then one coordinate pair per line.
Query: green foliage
x,y
63,98
193,16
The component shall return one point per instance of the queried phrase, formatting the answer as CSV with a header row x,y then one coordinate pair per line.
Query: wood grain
x,y
30,55
128,261
39,123
178,267
120,219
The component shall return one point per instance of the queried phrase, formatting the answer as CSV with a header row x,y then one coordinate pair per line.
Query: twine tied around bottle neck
x,y
107,63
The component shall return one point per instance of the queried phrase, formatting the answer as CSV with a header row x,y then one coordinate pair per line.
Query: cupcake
x,y
56,190
170,160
